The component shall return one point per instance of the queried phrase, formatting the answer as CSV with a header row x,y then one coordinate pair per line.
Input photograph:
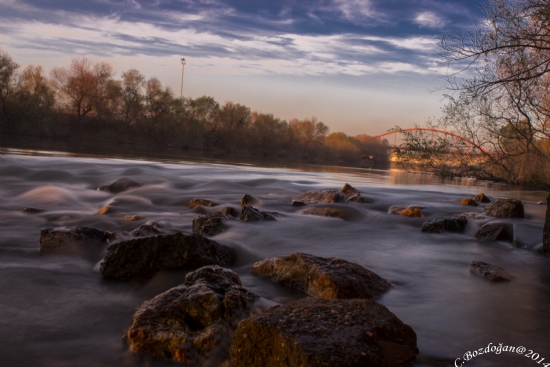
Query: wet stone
x,y
349,190
250,214
322,277
146,229
145,256
496,231
457,224
320,337
210,224
200,202
357,198
411,211
505,208
75,240
314,197
32,210
192,323
120,185
481,198
492,272
470,202
249,200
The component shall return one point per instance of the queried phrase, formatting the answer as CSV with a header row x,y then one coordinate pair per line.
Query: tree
x,y
132,96
7,85
309,132
84,85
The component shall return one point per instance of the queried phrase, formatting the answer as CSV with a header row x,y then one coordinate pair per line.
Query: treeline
x,y
84,101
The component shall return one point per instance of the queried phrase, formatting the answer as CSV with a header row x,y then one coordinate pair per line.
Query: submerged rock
x,y
468,201
210,224
320,332
411,211
193,322
75,240
105,210
471,215
546,230
145,256
334,212
457,224
120,185
200,202
489,271
249,200
32,210
481,198
496,231
133,218
357,198
250,214
505,208
314,197
348,189
229,210
322,277
146,229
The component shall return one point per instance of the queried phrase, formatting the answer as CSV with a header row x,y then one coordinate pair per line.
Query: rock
x,y
322,277
314,197
105,210
133,218
249,200
120,185
457,224
32,210
319,332
73,240
210,224
546,230
470,202
145,256
334,212
471,215
192,323
146,229
411,211
228,210
357,198
348,189
481,198
496,231
200,202
250,214
492,272
505,208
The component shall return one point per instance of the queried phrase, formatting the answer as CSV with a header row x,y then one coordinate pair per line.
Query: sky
x,y
360,66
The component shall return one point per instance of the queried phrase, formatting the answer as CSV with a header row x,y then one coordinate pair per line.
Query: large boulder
x,y
546,231
250,214
119,185
75,240
193,322
210,224
505,208
314,197
410,211
454,224
322,277
147,255
320,332
492,272
496,231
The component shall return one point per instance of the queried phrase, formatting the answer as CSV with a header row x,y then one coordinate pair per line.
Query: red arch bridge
x,y
459,139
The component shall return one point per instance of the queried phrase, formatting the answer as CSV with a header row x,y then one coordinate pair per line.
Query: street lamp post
x,y
182,68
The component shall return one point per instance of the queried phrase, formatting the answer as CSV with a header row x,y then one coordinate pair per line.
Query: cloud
x,y
354,9
429,19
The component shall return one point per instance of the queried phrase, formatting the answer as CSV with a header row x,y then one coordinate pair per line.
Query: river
x,y
57,311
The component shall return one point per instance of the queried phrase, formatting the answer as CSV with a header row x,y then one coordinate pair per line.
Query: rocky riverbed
x,y
189,261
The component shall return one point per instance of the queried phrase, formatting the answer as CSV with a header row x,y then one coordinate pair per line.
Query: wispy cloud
x,y
430,19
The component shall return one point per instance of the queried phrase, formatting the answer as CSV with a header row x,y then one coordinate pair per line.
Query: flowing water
x,y
57,311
